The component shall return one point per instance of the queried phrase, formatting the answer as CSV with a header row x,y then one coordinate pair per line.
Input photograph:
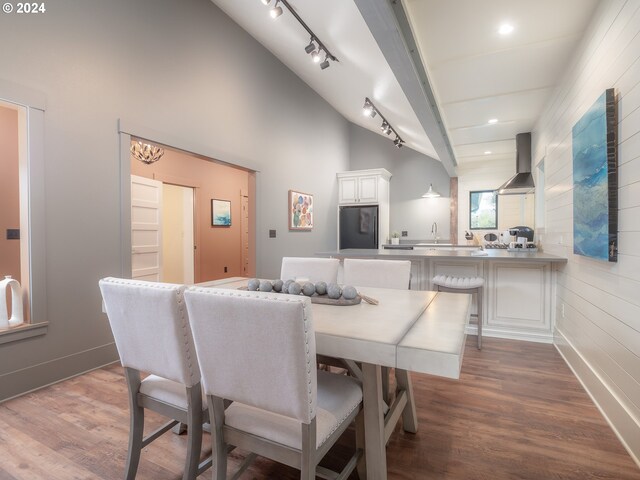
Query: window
x,y
22,220
483,210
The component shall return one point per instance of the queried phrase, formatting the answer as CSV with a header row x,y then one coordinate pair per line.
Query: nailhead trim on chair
x,y
287,298
184,322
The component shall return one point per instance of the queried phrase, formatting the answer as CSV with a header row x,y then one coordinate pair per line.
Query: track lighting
x,y
370,110
313,49
276,11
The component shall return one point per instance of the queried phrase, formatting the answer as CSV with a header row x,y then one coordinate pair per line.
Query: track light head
x,y
384,126
368,110
325,64
265,2
276,11
311,47
397,142
315,56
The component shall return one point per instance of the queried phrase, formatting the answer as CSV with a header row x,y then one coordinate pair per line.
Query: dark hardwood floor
x,y
517,412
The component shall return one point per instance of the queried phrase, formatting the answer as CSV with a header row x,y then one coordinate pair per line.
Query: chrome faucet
x,y
434,232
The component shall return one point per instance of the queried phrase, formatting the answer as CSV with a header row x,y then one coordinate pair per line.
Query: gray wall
x,y
179,67
412,173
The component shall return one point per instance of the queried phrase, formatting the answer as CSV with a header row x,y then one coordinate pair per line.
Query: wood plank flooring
x,y
517,412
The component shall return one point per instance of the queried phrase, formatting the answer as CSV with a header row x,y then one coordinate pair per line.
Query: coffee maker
x,y
521,237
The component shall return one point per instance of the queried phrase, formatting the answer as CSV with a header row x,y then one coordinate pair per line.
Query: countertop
x,y
491,254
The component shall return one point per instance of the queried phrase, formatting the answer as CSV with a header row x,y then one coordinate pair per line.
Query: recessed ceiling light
x,y
505,29
492,121
488,152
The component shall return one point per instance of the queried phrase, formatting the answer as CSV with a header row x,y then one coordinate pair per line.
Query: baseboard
x,y
38,376
621,422
500,333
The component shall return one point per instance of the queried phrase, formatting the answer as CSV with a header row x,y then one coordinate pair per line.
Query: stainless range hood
x,y
522,182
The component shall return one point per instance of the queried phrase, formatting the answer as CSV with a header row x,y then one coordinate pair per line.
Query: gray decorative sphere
x,y
321,288
349,292
334,291
277,285
295,288
308,289
265,286
253,284
286,285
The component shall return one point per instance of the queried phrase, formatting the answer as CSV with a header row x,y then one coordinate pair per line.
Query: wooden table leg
x,y
409,417
375,449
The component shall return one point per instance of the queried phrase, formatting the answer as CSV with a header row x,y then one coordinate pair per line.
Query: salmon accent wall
x,y
9,193
216,247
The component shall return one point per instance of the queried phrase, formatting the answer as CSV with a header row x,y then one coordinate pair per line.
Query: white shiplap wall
x,y
598,303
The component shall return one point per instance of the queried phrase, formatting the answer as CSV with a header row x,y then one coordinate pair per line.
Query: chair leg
x,y
194,432
136,424
360,445
385,384
479,304
308,463
216,417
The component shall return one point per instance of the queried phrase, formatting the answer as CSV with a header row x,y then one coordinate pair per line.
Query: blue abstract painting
x,y
595,215
220,213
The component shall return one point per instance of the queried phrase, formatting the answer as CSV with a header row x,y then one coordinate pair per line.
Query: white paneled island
x,y
519,291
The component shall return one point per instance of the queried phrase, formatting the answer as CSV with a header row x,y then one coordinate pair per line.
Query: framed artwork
x,y
595,180
300,210
220,213
483,210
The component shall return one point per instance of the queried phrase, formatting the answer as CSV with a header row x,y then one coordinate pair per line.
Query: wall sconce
x,y
431,193
146,153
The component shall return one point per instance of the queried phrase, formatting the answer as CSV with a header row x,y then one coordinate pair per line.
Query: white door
x,y
177,234
245,234
146,229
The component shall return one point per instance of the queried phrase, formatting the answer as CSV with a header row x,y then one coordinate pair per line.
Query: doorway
x,y
177,234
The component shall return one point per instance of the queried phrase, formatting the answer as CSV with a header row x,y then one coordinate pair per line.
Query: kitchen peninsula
x,y
519,291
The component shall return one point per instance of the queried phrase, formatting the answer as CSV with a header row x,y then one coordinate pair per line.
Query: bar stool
x,y
447,283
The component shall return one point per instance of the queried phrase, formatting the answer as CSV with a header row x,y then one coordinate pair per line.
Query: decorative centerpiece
x,y
319,292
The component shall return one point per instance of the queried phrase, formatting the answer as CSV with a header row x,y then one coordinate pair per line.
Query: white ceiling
x,y
362,70
475,73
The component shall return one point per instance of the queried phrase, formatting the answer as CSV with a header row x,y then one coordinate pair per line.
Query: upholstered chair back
x,y
256,348
151,329
394,274
313,269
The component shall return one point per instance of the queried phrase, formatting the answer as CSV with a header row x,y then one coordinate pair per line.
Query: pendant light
x,y
431,193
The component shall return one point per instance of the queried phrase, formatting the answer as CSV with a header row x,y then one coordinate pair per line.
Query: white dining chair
x,y
310,269
394,274
258,351
152,334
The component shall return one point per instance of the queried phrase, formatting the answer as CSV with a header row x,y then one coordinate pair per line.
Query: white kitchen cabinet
x,y
363,186
366,187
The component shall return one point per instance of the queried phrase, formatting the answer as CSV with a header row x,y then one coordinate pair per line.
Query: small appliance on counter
x,y
522,240
492,241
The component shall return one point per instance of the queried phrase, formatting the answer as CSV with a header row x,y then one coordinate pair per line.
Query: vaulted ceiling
x,y
470,72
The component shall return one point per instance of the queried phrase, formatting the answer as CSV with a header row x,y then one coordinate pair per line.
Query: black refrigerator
x,y
359,227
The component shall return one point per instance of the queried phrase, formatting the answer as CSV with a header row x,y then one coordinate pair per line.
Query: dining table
x,y
408,330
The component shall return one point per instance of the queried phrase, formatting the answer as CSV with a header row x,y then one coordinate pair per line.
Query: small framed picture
x,y
300,210
220,213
